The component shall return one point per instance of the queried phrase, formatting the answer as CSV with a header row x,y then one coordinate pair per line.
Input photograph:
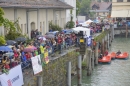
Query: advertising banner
x,y
14,78
89,41
36,64
46,57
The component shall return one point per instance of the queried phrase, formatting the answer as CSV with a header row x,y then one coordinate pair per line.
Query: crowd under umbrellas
x,y
18,51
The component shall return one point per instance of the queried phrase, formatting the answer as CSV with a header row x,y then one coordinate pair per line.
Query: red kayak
x,y
122,56
112,55
105,59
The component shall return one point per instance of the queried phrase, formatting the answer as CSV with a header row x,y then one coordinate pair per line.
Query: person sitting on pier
x,y
100,56
106,53
118,53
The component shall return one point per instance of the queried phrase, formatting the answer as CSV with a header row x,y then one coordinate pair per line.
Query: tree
x,y
85,7
12,27
1,17
70,24
99,0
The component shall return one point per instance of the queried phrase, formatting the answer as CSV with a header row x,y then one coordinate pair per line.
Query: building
x,y
120,8
35,14
101,9
68,14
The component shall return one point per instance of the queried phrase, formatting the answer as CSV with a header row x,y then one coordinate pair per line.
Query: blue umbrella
x,y
5,48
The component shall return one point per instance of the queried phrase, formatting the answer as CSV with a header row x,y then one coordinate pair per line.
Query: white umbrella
x,y
42,38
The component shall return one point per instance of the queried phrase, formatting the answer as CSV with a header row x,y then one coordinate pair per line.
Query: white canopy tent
x,y
86,31
86,23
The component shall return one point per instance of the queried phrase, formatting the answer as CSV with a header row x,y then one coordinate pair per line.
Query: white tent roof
x,y
85,30
89,20
80,29
86,23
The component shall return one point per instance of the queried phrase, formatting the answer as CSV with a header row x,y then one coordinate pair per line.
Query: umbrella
x,y
28,50
50,36
39,36
67,33
21,39
42,38
10,42
32,47
5,48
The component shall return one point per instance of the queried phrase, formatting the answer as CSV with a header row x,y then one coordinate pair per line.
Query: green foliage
x,y
1,16
92,14
12,28
84,65
101,36
77,7
85,7
2,40
99,0
70,24
54,27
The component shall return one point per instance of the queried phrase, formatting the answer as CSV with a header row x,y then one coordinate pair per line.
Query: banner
x,y
89,41
14,78
36,64
46,57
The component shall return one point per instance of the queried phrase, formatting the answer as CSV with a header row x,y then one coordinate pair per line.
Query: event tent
x,y
86,31
86,23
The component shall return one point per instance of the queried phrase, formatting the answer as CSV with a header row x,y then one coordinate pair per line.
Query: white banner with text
x,y
14,78
36,64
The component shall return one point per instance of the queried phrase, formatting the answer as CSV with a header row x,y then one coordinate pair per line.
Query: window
x,y
119,0
128,0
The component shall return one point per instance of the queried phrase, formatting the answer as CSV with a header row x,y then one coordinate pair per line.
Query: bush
x,y
54,27
12,35
2,40
70,24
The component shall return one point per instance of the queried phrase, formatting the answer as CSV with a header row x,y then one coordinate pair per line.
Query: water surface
x,y
115,74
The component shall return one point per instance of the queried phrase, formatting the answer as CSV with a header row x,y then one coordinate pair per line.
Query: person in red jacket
x,y
106,53
59,41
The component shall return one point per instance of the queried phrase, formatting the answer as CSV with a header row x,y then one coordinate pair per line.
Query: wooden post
x,y
96,53
92,60
79,71
89,69
126,30
69,74
113,32
39,81
108,41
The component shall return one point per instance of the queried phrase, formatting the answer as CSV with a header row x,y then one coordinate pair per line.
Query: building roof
x,y
101,5
35,4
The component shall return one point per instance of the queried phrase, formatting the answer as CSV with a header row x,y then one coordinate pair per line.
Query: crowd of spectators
x,y
19,55
59,42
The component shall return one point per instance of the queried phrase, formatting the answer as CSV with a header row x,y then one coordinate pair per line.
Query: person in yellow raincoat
x,y
42,48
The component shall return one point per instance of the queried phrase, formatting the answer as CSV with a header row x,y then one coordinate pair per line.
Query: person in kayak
x,y
100,56
118,53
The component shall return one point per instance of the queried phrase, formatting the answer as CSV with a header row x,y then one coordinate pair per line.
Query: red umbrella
x,y
28,50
